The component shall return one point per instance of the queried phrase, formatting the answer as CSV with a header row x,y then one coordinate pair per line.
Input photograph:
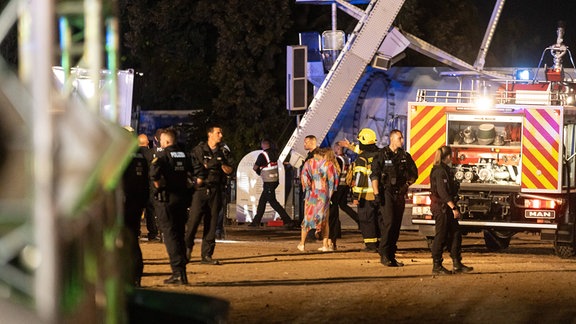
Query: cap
x,y
367,136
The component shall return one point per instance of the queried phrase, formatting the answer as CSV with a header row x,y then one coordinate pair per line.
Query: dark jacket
x,y
207,164
443,186
172,169
362,169
261,161
394,171
135,178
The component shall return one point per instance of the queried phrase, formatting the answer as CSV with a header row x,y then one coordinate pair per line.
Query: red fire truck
x,y
513,153
513,158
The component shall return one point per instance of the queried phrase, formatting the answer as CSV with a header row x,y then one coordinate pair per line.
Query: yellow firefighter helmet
x,y
367,136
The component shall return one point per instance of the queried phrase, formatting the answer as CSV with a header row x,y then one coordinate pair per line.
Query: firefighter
x,y
444,189
266,166
393,171
171,174
362,192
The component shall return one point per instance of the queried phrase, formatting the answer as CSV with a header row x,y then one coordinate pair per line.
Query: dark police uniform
x,y
444,188
173,170
135,187
395,171
207,198
149,214
266,166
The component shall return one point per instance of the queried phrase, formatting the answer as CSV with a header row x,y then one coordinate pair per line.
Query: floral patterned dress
x,y
319,178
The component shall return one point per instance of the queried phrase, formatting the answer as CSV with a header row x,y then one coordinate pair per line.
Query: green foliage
x,y
172,50
224,57
250,58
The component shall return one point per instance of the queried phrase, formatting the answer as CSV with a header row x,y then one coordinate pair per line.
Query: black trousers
x,y
447,233
340,199
334,223
150,216
206,205
390,220
368,221
172,220
133,207
269,196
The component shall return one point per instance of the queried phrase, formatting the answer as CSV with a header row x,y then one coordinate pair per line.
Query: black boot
x,y
177,278
458,267
438,269
183,277
210,261
391,262
255,222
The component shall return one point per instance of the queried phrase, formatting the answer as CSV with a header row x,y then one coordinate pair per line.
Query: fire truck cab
x,y
513,155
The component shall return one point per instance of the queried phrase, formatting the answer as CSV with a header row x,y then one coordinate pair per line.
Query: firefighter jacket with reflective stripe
x,y
344,163
362,169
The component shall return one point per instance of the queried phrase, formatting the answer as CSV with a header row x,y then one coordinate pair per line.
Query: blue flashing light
x,y
523,75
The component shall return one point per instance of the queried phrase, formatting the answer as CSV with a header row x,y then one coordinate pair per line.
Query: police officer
x,y
211,162
446,213
151,223
266,166
362,191
393,171
135,187
171,175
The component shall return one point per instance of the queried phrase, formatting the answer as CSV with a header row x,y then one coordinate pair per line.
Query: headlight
x,y
459,175
469,176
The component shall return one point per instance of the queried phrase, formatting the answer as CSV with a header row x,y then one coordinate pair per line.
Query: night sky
x,y
539,19
541,15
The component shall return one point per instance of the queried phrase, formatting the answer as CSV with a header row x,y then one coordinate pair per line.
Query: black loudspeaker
x,y
296,78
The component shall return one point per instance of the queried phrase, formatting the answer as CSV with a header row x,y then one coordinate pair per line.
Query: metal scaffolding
x,y
59,217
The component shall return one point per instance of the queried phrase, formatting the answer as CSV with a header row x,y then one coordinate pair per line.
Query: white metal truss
x,y
441,56
343,76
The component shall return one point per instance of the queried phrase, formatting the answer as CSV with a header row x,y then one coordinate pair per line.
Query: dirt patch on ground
x,y
267,280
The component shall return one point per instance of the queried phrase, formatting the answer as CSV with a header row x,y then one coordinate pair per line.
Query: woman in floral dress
x,y
319,178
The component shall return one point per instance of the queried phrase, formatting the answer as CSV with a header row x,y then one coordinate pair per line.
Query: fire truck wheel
x,y
564,250
496,241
